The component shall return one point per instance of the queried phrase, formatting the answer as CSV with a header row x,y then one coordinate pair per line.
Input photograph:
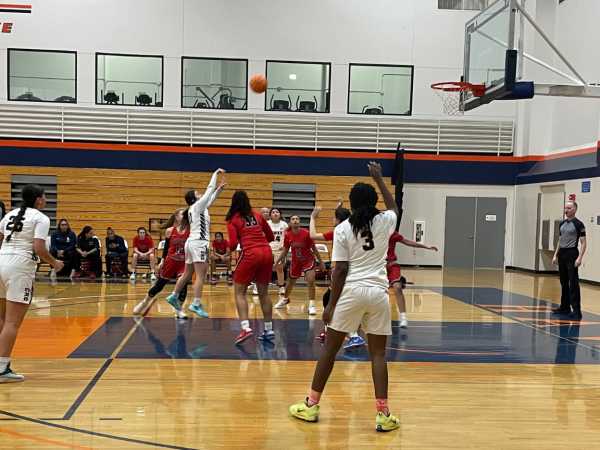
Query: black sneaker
x,y
8,376
561,311
576,315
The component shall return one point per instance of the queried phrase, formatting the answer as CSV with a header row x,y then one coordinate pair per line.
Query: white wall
x,y
427,202
525,248
406,32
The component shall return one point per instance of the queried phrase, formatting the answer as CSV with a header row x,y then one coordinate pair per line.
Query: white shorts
x,y
277,254
196,251
16,279
369,306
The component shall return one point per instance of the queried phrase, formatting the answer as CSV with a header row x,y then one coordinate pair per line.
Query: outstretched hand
x,y
221,171
223,181
375,170
316,212
431,247
340,202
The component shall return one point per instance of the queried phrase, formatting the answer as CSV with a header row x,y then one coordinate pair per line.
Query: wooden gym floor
x,y
482,365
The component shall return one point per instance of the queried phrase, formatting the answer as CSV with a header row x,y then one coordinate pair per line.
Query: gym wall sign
x,y
7,27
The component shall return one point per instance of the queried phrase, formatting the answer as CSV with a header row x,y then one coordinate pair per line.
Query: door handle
x,y
470,237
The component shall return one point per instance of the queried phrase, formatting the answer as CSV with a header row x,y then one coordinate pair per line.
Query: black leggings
x,y
159,286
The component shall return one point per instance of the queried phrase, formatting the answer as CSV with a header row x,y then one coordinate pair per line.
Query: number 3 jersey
x,y
177,244
299,244
35,225
365,253
279,233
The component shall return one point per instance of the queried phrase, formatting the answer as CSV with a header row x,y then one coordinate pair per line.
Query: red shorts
x,y
298,266
254,264
393,273
172,268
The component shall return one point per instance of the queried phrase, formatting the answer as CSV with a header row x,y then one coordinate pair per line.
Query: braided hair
x,y
240,203
363,201
29,195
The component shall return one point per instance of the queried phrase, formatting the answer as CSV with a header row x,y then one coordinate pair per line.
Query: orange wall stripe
x,y
290,153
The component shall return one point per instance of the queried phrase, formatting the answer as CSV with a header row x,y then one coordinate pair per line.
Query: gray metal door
x,y
459,242
490,231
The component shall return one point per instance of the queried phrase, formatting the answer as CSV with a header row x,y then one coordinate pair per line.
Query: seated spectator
x,y
88,247
62,246
115,248
143,249
222,254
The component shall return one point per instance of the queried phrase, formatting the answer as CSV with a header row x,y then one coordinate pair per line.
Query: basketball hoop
x,y
454,94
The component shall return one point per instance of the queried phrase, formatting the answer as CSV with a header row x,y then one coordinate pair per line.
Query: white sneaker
x,y
72,273
282,290
103,275
53,273
255,291
132,277
153,276
404,323
312,311
140,307
144,276
180,315
281,304
8,376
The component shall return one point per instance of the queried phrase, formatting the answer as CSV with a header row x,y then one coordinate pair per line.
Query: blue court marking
x,y
93,433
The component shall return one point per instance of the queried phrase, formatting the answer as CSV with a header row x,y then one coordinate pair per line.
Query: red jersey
x,y
252,232
328,236
394,239
143,246
300,244
177,244
220,249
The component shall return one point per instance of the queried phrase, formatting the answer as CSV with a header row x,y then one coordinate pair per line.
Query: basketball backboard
x,y
490,58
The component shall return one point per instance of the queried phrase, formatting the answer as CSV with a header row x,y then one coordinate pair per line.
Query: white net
x,y
453,97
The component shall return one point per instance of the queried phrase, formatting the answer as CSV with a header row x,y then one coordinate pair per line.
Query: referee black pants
x,y
569,279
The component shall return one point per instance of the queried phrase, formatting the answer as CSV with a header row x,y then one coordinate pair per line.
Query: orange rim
x,y
478,90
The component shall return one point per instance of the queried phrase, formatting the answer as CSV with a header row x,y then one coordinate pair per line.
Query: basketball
x,y
258,84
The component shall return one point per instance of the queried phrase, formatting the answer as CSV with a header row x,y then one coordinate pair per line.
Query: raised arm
x,y
207,198
375,171
313,225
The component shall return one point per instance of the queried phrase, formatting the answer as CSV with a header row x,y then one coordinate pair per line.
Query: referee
x,y
572,230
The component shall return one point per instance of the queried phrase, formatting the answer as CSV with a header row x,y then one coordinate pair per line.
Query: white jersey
x,y
198,212
278,231
35,226
367,252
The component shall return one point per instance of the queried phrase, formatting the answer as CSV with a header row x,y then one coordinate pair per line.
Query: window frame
x,y
8,50
183,58
162,87
412,86
278,61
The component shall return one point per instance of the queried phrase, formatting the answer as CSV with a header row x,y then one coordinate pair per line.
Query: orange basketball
x,y
258,83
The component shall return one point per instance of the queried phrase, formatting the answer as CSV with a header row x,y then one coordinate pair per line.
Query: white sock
x,y
325,327
175,294
152,272
245,324
197,301
403,315
268,326
311,303
353,335
3,363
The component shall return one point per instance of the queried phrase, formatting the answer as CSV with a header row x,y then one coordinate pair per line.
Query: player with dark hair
x,y
253,233
196,247
278,226
23,234
173,260
303,260
359,295
221,253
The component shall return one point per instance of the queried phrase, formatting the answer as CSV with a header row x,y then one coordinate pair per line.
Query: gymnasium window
x,y
295,198
47,182
473,5
214,83
42,75
129,80
298,86
380,89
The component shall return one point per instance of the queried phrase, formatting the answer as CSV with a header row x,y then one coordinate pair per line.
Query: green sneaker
x,y
301,410
198,309
174,302
386,423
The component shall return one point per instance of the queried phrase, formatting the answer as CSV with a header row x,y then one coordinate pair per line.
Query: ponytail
x,y
363,201
29,195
